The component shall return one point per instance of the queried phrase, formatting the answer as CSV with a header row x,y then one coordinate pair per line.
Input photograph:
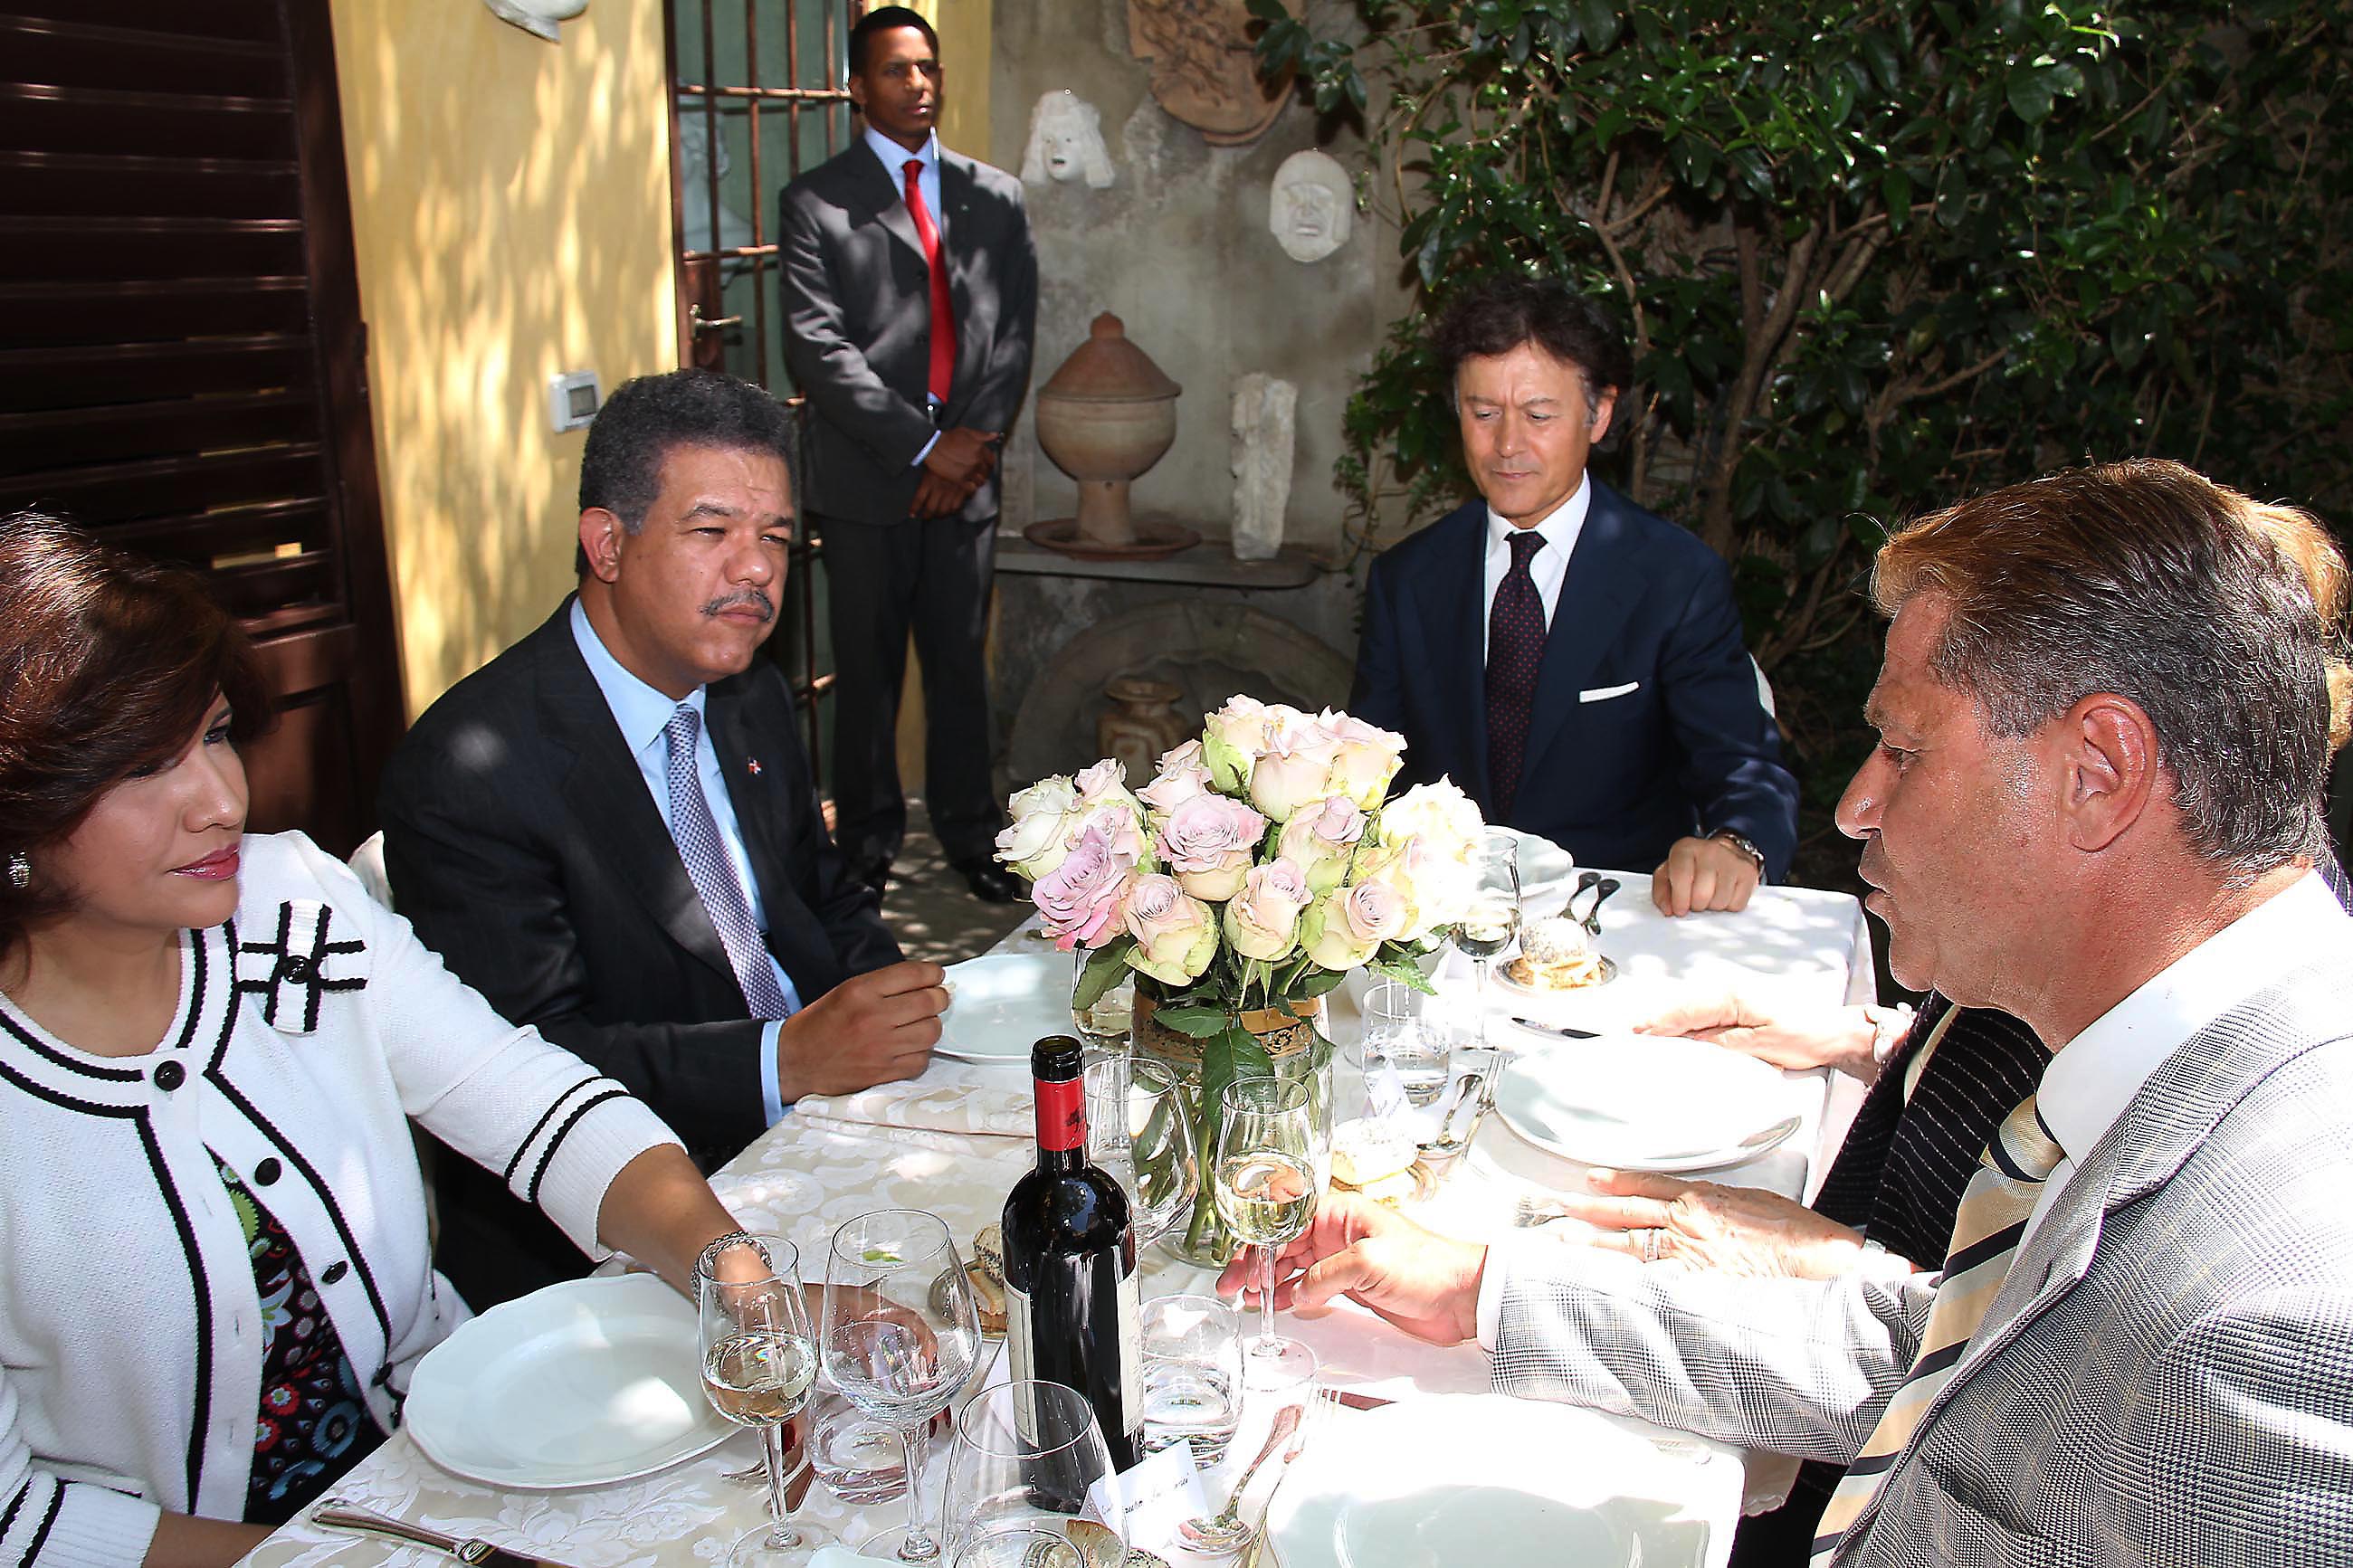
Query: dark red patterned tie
x,y
943,307
1516,638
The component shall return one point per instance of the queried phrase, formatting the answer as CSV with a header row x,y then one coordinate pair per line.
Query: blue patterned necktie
x,y
1515,639
697,834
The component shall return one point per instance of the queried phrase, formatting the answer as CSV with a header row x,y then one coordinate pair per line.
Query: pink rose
x,y
1082,899
1104,783
1262,919
1208,843
1178,781
1294,768
1342,930
1176,935
1320,838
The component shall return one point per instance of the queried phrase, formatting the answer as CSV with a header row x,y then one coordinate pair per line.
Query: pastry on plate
x,y
1554,955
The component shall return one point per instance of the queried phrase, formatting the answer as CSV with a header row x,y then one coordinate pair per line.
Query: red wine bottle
x,y
1072,1310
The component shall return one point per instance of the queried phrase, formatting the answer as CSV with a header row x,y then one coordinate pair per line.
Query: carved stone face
x,y
1311,214
1066,143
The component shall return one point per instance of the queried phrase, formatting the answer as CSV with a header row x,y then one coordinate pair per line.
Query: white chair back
x,y
367,865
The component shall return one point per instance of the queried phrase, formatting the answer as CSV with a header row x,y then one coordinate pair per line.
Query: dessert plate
x,y
1501,1482
1002,1004
580,1384
1647,1103
1503,973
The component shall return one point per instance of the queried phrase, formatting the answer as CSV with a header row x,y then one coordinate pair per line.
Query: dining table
x,y
954,1139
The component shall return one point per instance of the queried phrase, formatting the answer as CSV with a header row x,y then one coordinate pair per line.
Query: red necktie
x,y
1515,639
943,307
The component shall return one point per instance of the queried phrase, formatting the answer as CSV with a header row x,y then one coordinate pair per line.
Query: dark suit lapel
x,y
1598,592
609,795
883,196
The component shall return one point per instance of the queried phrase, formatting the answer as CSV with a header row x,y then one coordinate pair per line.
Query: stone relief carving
x,y
537,16
1264,411
1202,69
1312,210
1066,143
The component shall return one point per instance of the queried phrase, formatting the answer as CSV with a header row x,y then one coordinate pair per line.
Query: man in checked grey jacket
x,y
2096,804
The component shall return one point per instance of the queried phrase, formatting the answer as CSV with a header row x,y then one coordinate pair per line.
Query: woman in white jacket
x,y
212,1226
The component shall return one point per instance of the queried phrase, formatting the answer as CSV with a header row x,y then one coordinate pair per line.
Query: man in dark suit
x,y
1572,661
910,298
610,830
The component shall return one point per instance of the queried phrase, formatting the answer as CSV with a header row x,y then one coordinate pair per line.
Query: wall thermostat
x,y
572,399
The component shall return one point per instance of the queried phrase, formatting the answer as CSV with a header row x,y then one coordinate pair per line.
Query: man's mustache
x,y
750,598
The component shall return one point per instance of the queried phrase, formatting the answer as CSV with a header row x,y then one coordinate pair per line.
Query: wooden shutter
x,y
182,358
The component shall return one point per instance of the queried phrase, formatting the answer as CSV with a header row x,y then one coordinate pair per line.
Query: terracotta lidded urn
x,y
1104,418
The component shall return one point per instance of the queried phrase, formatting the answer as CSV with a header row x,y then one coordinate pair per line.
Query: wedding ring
x,y
1651,1240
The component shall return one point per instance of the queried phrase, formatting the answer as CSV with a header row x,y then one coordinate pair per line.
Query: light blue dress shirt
x,y
643,715
894,161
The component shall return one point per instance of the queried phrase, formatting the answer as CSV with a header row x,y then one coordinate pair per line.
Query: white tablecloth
x,y
838,1158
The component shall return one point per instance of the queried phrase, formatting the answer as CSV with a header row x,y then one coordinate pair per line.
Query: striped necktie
x,y
1994,1211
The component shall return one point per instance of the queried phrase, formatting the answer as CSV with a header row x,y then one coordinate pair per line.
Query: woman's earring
x,y
20,871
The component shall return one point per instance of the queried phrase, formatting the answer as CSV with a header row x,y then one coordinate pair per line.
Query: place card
x,y
1157,1495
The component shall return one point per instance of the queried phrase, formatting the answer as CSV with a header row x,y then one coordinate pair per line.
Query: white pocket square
x,y
1604,693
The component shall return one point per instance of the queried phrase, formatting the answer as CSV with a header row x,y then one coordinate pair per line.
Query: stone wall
x,y
1178,246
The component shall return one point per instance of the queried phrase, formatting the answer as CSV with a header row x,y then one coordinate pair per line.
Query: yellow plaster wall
x,y
510,207
964,29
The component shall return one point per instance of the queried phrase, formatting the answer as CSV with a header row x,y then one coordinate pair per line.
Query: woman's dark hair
x,y
108,663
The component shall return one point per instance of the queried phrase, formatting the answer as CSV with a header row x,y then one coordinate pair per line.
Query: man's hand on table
x,y
876,1028
1738,1230
1703,873
1425,1283
1787,1033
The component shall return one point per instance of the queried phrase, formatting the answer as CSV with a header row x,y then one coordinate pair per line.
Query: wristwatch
x,y
1742,842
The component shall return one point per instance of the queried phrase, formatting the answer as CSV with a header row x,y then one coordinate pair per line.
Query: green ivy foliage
x,y
1874,254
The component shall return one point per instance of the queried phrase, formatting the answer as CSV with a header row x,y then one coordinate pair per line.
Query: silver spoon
x,y
1223,1531
1584,880
1601,896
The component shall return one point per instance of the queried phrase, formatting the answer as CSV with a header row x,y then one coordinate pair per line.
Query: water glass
x,y
1192,1375
1397,1041
1026,1456
1137,1130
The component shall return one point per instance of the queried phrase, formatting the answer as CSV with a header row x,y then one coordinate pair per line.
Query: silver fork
x,y
1530,1210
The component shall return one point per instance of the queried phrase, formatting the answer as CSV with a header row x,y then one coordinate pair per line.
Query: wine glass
x,y
758,1363
1264,1187
1138,1132
1026,1456
900,1336
1019,1549
1493,918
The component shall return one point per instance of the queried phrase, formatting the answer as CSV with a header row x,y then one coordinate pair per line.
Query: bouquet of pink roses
x,y
1262,863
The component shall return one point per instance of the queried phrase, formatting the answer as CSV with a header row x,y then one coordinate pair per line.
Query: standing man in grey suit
x,y
2096,804
610,830
911,300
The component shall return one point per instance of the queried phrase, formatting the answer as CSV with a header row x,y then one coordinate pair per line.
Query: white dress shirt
x,y
1549,567
894,161
644,716
2096,1074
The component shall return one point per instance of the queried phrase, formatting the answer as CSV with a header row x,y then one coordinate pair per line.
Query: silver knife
x,y
336,1514
1563,1030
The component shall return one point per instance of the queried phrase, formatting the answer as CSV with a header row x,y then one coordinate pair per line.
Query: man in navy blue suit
x,y
1571,660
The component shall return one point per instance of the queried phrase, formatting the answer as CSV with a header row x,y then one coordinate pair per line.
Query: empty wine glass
x,y
1026,1456
1493,918
1137,1130
1265,1185
758,1362
900,1336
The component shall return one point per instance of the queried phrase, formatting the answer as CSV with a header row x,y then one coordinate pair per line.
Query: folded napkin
x,y
831,1556
995,1111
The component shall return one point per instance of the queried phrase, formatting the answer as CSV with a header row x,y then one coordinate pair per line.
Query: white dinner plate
x,y
1646,1102
1002,1004
580,1384
1485,1478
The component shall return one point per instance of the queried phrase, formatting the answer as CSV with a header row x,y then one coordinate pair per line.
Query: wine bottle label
x,y
1020,1360
1061,1114
1130,1353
